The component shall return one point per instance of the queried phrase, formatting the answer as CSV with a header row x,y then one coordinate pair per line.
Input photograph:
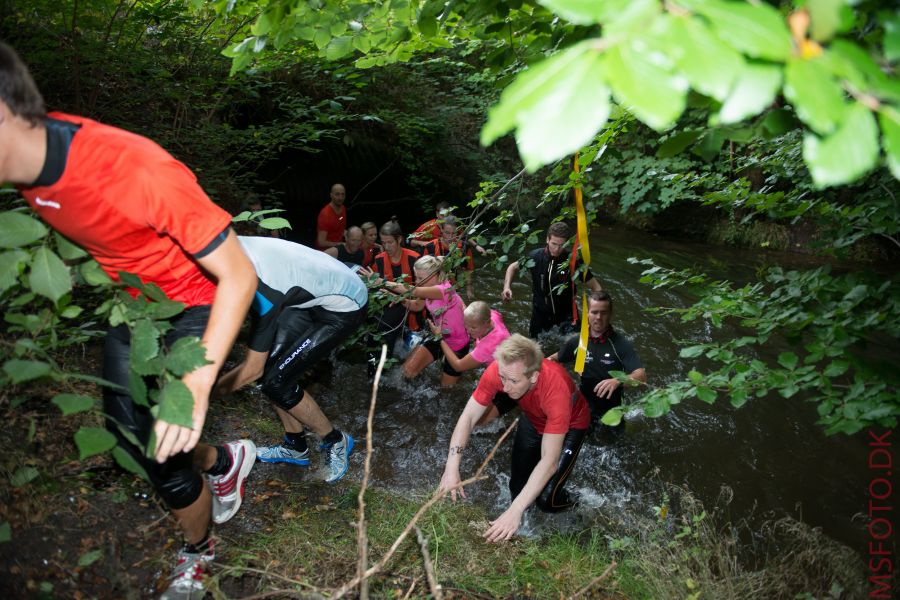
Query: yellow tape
x,y
586,257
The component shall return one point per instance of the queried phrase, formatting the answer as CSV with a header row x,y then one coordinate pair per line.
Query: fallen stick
x,y
595,581
361,537
433,584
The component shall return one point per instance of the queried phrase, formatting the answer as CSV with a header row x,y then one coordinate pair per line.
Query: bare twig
x,y
362,539
371,181
342,591
595,581
412,586
433,584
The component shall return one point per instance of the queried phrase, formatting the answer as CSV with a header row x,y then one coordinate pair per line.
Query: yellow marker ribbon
x,y
586,257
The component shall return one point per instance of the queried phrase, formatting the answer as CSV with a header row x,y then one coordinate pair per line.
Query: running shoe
x,y
282,454
338,457
228,489
189,577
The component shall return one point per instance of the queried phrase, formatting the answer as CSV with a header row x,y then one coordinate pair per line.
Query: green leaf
x,y
93,440
890,132
11,263
846,154
677,143
322,37
836,368
68,250
557,106
816,96
788,360
362,43
49,276
18,229
137,388
131,280
738,398
89,558
176,404
892,36
608,12
127,462
93,273
692,351
186,354
166,309
612,417
709,64
651,93
25,370
73,403
706,394
23,476
825,16
428,26
757,30
779,121
275,223
5,532
754,89
144,341
695,377
339,47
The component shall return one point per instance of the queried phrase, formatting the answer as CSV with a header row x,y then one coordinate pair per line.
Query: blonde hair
x,y
518,348
368,225
479,311
430,264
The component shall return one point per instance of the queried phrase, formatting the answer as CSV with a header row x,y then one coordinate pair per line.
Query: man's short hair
x,y
601,296
559,229
479,311
17,89
518,348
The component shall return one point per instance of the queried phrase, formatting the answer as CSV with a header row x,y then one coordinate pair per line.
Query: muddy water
x,y
770,452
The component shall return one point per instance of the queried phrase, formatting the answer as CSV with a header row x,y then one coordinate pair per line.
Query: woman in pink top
x,y
434,291
483,325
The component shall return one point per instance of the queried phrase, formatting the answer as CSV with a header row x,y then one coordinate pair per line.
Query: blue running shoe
x,y
282,454
338,457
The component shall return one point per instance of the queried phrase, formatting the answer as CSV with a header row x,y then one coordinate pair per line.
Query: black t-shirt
x,y
352,258
552,282
615,353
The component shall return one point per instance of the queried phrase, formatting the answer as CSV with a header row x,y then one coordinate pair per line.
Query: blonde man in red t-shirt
x,y
135,208
547,440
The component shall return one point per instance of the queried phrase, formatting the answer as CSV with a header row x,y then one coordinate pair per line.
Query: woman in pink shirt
x,y
483,325
434,291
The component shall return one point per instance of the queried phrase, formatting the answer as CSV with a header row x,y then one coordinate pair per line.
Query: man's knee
x,y
180,488
284,396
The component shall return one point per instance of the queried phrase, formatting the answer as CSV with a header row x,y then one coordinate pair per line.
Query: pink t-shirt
x,y
484,347
447,313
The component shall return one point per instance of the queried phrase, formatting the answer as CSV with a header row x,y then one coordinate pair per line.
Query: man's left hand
x,y
172,439
505,526
605,388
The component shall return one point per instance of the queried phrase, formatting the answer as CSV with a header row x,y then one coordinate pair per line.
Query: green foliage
x,y
831,321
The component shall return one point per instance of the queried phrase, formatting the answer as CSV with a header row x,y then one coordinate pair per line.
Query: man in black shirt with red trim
x,y
553,283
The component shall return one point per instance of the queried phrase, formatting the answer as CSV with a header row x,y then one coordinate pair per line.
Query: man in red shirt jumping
x,y
135,208
555,419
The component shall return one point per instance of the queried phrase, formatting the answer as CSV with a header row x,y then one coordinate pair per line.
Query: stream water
x,y
770,453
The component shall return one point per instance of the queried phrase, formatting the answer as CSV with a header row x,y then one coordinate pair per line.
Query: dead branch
x,y
433,584
412,586
362,538
595,581
342,591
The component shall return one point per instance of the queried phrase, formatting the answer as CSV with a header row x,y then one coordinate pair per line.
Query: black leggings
x,y
305,336
176,480
541,322
526,454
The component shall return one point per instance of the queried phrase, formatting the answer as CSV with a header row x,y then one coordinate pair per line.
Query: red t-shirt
x,y
332,223
134,208
553,405
427,231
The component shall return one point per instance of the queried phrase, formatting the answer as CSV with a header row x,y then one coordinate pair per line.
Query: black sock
x,y
203,546
296,441
333,437
223,462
